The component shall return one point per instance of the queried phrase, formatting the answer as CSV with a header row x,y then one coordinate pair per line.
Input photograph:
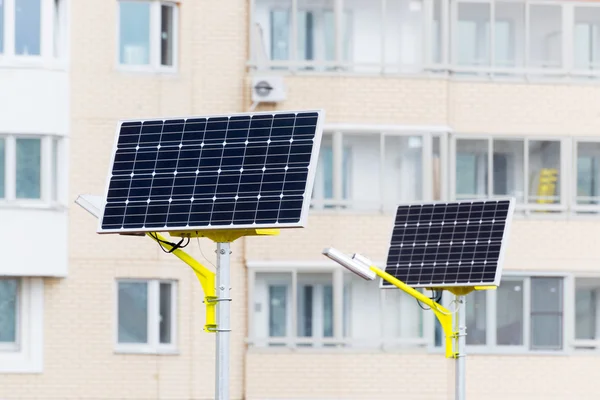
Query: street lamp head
x,y
357,263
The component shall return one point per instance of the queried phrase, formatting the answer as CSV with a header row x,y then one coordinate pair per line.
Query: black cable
x,y
437,296
174,246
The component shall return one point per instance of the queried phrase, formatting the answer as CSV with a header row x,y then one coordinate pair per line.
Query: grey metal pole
x,y
223,321
460,344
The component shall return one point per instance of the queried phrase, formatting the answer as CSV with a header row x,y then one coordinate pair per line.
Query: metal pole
x,y
460,344
223,321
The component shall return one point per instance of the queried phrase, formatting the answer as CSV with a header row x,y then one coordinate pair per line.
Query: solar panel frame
x,y
383,284
307,193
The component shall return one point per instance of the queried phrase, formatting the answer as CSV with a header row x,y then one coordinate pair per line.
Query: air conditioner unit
x,y
268,89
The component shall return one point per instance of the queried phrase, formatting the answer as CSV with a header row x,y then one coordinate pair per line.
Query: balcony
x,y
490,39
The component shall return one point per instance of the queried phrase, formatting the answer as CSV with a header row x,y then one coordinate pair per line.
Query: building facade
x,y
425,100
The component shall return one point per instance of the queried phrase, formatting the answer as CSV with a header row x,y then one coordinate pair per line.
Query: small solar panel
x,y
449,244
252,170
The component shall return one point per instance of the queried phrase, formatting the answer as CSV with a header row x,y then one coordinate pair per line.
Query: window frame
x,y
338,342
426,133
153,345
491,318
583,345
52,177
574,176
53,35
525,207
27,355
155,64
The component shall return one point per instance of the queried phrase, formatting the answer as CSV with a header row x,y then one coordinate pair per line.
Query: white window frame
x,y
582,345
51,184
28,353
53,36
574,176
427,135
154,64
153,346
525,207
338,342
491,318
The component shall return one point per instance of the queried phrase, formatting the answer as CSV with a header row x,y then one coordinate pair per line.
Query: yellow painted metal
x,y
442,313
206,277
225,235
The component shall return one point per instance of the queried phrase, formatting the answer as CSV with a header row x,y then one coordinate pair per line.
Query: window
x,y
32,28
147,34
146,316
545,36
299,308
586,38
314,37
587,189
477,175
9,291
21,325
370,170
29,169
523,313
587,317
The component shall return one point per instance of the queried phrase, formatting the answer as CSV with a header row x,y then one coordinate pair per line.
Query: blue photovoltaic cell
x,y
220,171
449,244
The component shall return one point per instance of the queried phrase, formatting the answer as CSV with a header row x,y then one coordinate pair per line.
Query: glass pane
x,y
1,26
328,311
54,185
509,313
544,171
476,318
165,307
361,170
546,295
509,36
277,310
134,30
546,331
586,38
471,168
2,166
167,40
588,173
546,312
436,33
27,27
473,36
403,170
508,166
8,310
133,312
280,34
586,305
305,310
29,168
402,316
545,36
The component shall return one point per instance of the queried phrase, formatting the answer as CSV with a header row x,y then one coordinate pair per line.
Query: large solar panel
x,y
449,244
237,171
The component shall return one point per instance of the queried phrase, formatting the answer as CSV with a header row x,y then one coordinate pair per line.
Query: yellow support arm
x,y
442,313
205,276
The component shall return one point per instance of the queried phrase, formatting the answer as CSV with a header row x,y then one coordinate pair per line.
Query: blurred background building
x,y
425,100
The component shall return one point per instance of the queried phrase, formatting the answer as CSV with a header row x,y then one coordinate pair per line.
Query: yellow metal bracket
x,y
206,277
442,313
